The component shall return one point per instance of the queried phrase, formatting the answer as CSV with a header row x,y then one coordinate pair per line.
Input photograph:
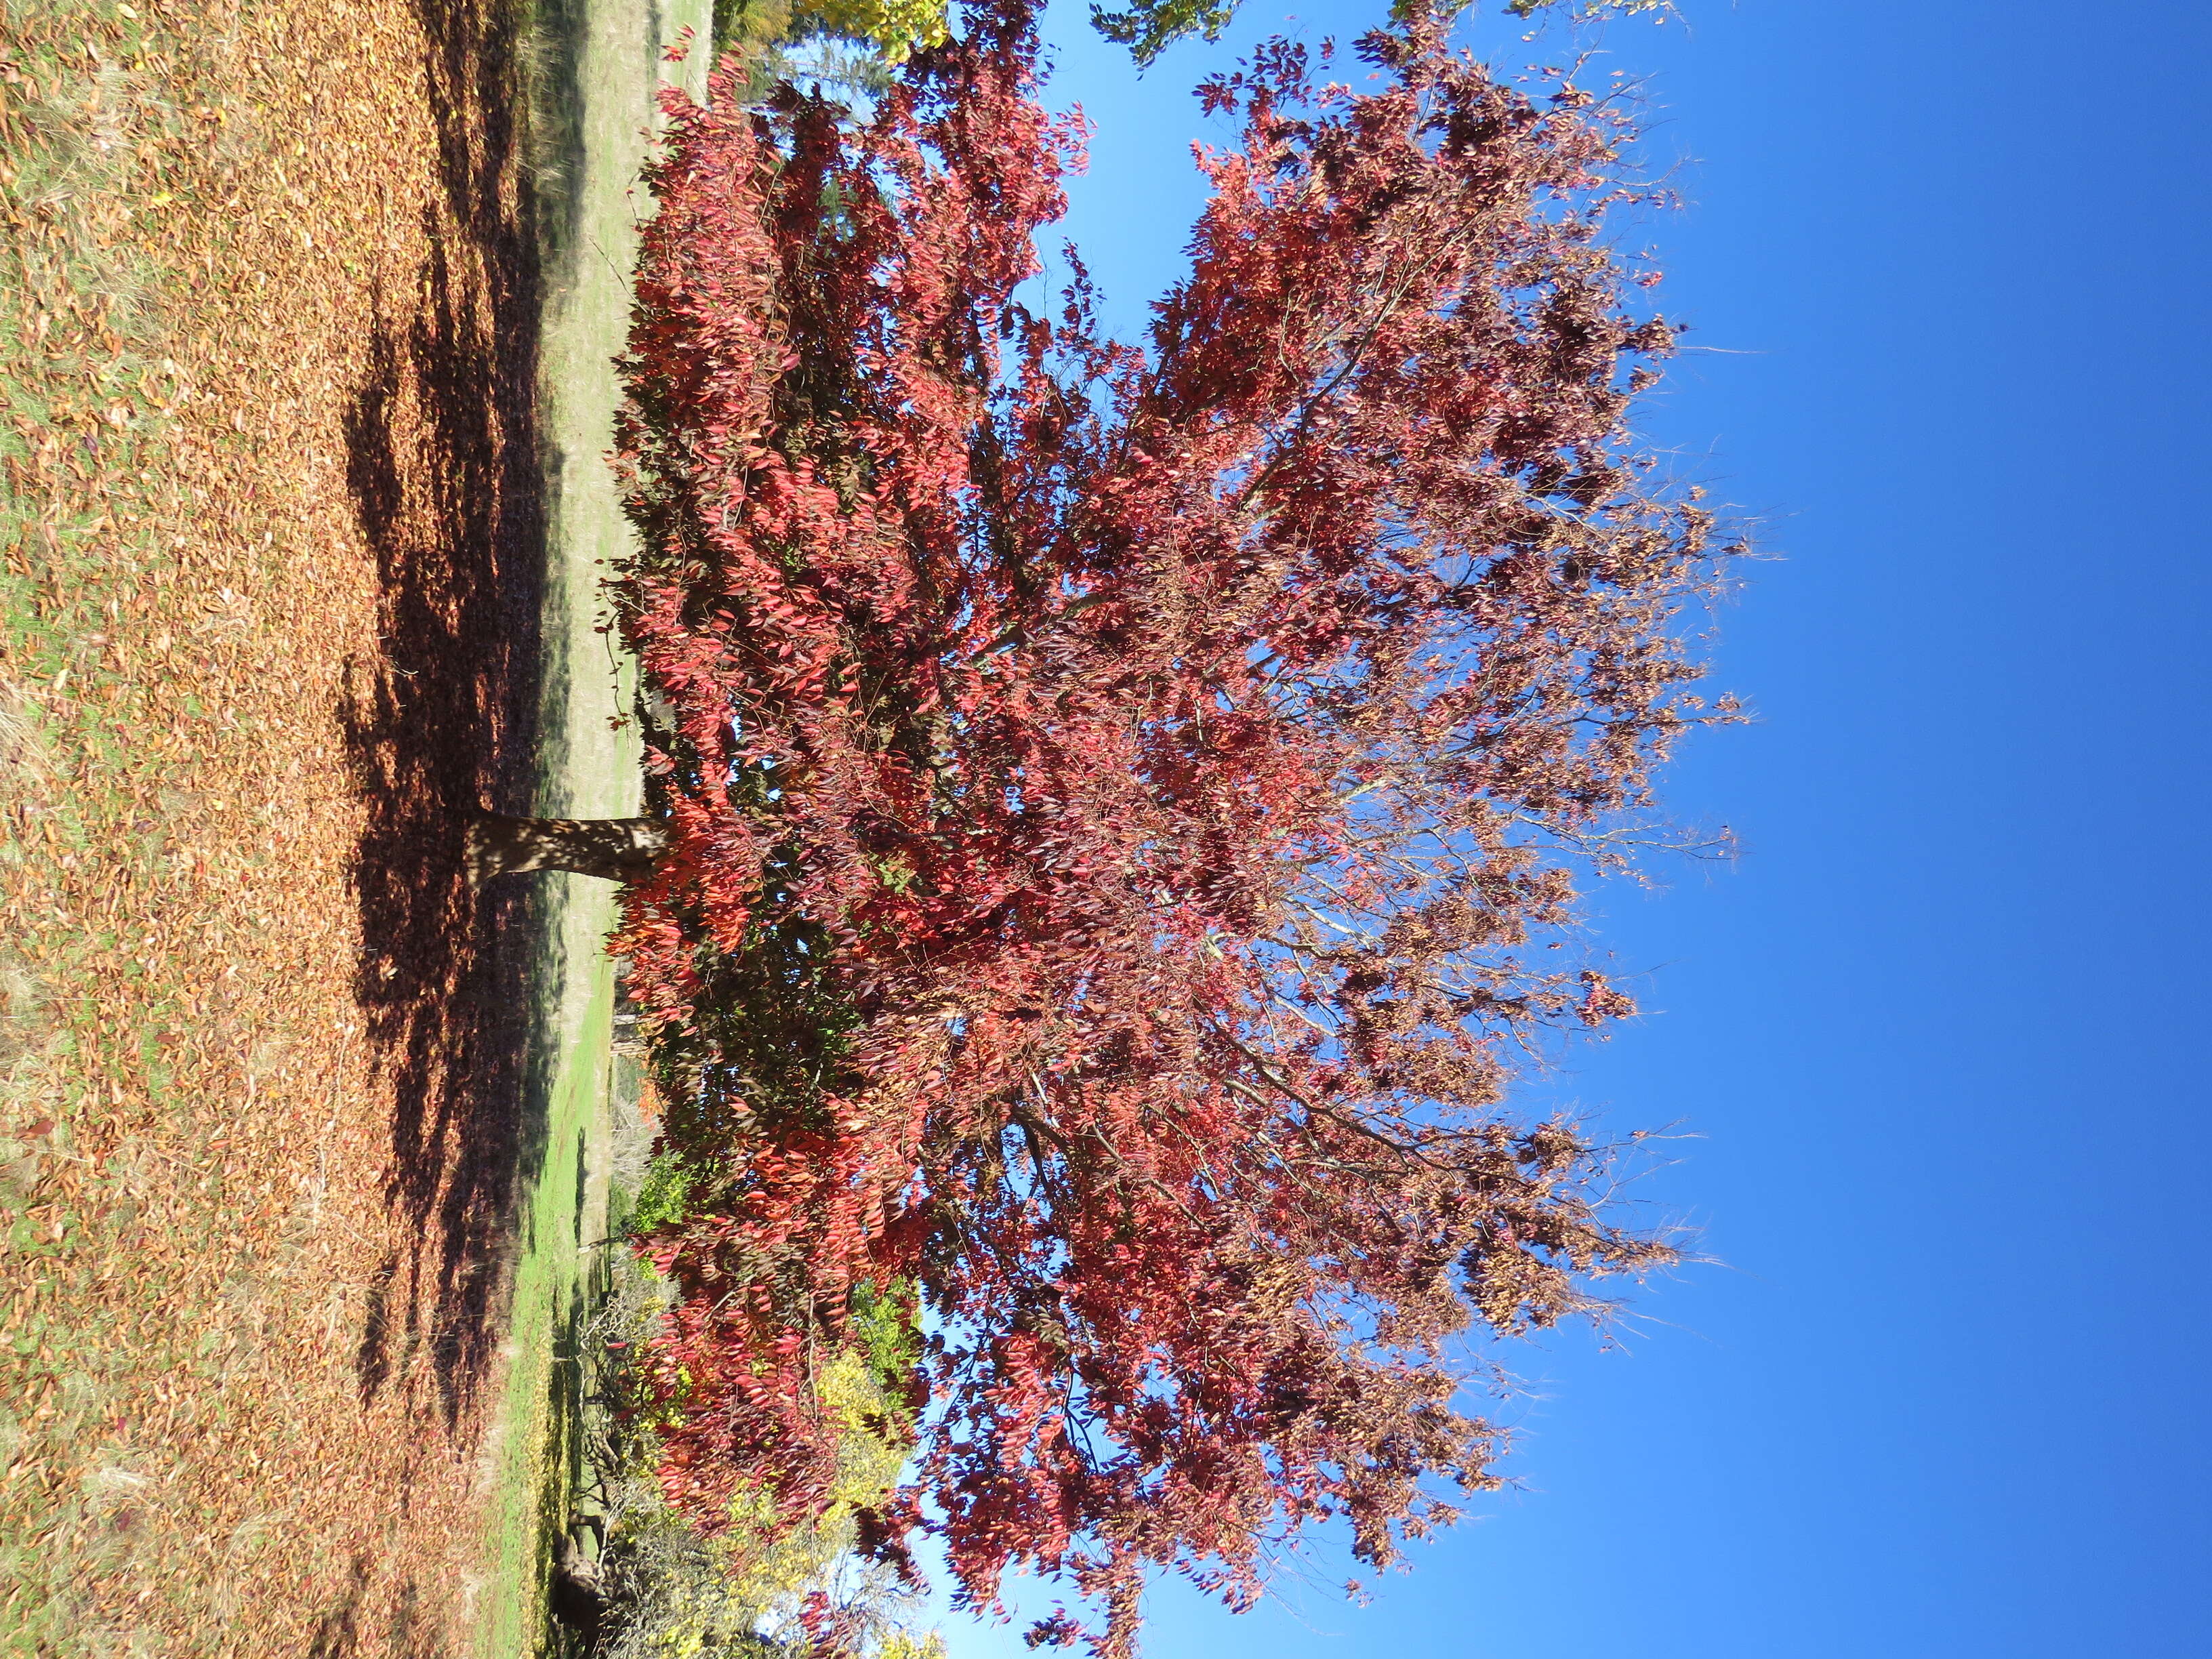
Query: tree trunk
x,y
615,850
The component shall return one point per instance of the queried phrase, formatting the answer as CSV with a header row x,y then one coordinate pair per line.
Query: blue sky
x,y
1937,1030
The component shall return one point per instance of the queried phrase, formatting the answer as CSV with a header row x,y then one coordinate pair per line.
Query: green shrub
x,y
663,1196
672,1591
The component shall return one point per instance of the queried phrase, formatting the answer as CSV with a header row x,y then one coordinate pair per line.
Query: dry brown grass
x,y
268,563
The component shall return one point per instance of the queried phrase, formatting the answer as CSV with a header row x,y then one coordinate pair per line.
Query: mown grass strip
x,y
597,65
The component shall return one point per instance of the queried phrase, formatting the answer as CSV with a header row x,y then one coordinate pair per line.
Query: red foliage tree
x,y
1116,800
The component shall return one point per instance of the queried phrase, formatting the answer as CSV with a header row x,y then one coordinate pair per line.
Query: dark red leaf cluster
x,y
1120,799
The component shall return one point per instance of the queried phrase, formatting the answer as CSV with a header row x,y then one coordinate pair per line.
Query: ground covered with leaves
x,y
268,568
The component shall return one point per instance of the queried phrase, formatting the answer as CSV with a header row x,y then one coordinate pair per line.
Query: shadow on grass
x,y
443,469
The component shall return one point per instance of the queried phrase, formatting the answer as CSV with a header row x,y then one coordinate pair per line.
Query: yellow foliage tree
x,y
893,28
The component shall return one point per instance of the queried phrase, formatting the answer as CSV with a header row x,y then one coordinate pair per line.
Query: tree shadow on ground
x,y
444,468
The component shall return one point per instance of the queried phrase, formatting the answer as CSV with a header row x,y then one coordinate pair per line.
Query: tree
x,y
1149,28
612,849
1113,810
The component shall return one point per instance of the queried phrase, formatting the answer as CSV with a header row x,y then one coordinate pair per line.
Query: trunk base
x,y
613,849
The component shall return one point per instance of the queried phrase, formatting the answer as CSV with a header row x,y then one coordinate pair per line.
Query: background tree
x,y
1114,810
886,31
1151,26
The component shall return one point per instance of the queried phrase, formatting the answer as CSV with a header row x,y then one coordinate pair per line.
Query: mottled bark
x,y
615,850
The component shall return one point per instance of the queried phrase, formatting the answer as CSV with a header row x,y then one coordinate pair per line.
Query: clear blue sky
x,y
1940,1029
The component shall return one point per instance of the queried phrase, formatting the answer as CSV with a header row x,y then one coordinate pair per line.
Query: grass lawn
x,y
284,449
603,59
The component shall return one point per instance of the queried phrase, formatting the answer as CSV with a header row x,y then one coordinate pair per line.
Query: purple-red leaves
x,y
1113,793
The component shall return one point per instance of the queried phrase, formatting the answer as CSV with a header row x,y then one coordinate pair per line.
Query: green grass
x,y
597,63
538,1449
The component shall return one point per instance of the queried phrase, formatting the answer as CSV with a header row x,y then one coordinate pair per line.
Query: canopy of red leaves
x,y
1116,793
